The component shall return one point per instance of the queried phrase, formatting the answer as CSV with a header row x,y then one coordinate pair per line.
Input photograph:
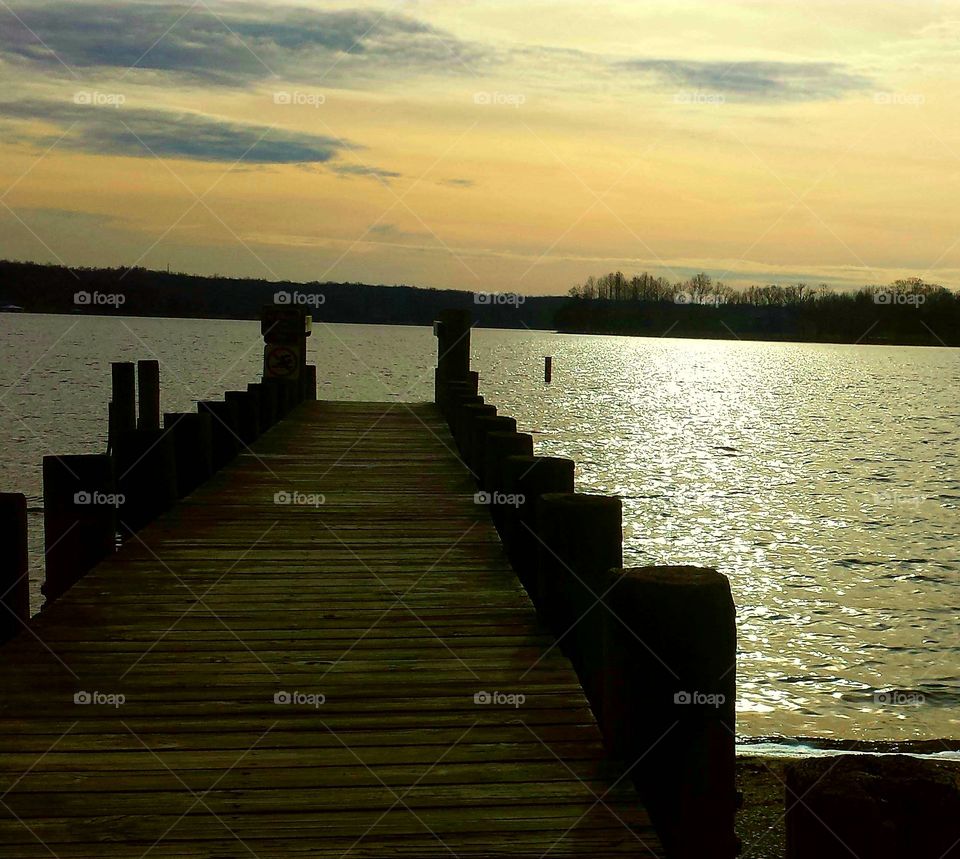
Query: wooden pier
x,y
321,651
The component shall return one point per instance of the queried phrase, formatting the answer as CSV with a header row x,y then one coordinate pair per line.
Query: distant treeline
x,y
140,292
905,312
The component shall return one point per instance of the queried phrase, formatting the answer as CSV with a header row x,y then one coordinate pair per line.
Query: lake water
x,y
823,480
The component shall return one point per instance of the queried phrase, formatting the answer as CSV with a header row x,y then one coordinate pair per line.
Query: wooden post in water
x,y
14,567
80,503
478,440
224,430
452,330
123,399
529,477
670,645
192,448
547,369
581,539
148,383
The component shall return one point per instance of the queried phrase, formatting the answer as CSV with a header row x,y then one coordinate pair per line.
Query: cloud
x,y
233,44
363,170
752,80
457,183
193,136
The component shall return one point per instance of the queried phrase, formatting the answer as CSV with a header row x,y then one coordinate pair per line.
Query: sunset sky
x,y
512,146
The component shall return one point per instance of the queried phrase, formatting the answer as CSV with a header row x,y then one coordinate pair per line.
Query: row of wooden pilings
x,y
654,647
92,502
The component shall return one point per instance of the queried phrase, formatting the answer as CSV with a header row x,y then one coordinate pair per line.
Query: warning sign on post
x,y
281,361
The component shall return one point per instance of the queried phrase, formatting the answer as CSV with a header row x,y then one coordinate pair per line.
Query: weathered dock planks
x,y
377,613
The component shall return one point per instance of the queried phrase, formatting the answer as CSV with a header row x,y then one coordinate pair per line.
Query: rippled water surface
x,y
823,480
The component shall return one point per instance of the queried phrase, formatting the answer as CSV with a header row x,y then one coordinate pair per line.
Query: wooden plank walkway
x,y
392,599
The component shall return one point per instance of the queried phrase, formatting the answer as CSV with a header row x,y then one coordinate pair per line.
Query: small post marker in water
x,y
548,369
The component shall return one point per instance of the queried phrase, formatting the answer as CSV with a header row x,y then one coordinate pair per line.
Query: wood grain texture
x,y
388,600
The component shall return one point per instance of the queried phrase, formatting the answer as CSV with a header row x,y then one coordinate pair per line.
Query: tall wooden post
x,y
14,567
224,430
80,504
528,478
581,539
192,447
670,645
146,471
478,440
285,330
123,399
452,330
148,383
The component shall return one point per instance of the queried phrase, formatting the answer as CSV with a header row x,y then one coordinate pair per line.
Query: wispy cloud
x,y
752,80
193,136
231,44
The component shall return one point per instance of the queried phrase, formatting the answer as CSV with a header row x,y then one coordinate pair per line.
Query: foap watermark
x,y
299,499
500,99
499,499
699,699
914,298
903,99
99,99
896,498
700,98
98,299
314,299
300,699
513,298
99,499
689,298
500,699
898,698
299,99
99,699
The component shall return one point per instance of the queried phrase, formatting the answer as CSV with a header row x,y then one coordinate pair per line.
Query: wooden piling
x,y
192,448
224,430
310,383
14,566
267,397
123,399
581,539
499,445
479,430
80,503
547,369
669,696
148,384
452,330
248,414
146,470
463,423
529,477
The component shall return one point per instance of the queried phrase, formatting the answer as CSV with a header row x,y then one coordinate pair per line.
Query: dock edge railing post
x,y
452,330
79,517
148,385
580,539
668,712
14,565
527,478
